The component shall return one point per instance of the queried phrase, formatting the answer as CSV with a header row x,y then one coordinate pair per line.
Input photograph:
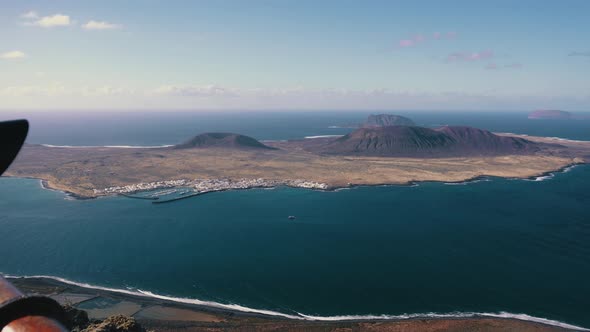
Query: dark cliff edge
x,y
222,140
411,141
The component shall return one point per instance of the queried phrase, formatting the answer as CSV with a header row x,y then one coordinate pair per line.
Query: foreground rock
x,y
118,323
77,321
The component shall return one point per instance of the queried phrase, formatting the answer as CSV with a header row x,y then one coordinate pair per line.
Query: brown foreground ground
x,y
159,315
81,170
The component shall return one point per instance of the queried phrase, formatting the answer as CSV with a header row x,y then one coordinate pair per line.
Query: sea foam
x,y
107,146
301,316
541,178
565,139
323,136
466,182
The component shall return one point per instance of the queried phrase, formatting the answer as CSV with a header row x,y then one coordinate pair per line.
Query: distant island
x,y
383,120
550,114
380,120
374,154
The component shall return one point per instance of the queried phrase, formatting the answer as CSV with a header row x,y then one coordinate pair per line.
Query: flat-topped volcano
x,y
407,141
222,140
383,120
550,114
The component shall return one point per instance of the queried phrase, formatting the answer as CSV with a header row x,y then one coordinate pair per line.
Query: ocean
x,y
503,247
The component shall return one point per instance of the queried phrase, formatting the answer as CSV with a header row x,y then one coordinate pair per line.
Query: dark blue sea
x,y
499,246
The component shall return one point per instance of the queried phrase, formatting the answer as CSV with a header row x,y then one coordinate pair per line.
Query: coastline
x,y
474,179
169,312
45,184
85,173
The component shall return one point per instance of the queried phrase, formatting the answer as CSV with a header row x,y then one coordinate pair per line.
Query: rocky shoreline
x,y
269,184
45,185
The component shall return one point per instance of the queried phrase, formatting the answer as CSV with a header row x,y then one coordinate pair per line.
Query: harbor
x,y
174,190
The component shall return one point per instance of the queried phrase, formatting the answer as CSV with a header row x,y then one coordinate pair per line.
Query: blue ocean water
x,y
494,246
161,128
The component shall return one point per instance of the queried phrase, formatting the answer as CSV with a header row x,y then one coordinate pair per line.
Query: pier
x,y
139,197
179,198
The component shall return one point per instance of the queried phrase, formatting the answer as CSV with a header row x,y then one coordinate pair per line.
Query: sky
x,y
295,55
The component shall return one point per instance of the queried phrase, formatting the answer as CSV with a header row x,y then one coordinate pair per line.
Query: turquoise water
x,y
492,246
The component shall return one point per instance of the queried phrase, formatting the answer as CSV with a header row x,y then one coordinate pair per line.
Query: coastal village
x,y
201,186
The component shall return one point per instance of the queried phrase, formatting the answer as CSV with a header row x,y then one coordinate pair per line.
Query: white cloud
x,y
57,89
218,97
104,91
13,55
57,20
215,92
470,56
30,15
51,90
32,18
209,97
100,25
194,91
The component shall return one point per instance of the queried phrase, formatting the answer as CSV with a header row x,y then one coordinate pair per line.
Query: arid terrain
x,y
84,171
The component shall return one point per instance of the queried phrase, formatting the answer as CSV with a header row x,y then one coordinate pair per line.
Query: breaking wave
x,y
569,168
323,136
541,178
565,139
551,175
301,316
464,183
107,146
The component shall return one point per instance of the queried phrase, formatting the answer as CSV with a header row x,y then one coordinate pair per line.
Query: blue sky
x,y
455,55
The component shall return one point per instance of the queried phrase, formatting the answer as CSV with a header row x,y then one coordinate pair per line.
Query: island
x,y
370,155
379,120
382,120
551,115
